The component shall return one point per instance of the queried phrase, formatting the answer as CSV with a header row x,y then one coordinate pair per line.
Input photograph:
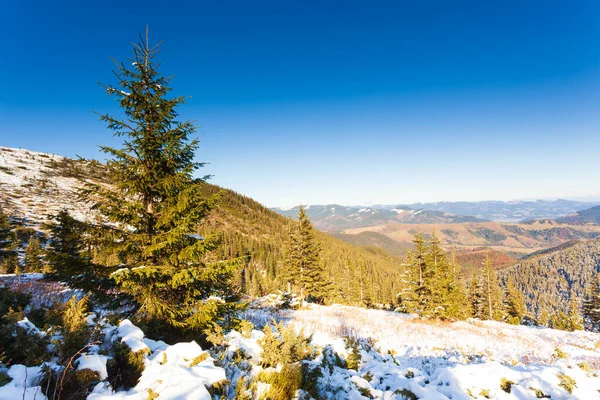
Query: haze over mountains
x,y
332,216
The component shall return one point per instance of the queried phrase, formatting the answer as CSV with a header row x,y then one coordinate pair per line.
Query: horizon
x,y
333,103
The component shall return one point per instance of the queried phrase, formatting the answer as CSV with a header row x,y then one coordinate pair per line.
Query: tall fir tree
x,y
33,255
152,211
493,305
515,303
304,269
476,296
415,292
591,305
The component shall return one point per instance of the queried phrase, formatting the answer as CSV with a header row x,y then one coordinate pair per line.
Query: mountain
x,y
590,215
34,185
549,281
508,211
334,217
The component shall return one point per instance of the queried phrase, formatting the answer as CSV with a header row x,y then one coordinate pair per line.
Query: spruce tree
x,y
304,269
476,296
33,255
591,305
415,291
575,319
515,303
492,295
155,206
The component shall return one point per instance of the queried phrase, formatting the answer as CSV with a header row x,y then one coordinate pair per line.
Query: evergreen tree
x,y
515,304
575,319
415,293
303,264
476,299
492,295
591,305
33,255
155,206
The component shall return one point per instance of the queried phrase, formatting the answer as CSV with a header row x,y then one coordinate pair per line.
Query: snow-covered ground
x,y
401,357
32,189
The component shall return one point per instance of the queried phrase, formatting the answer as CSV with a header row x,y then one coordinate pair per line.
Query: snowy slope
x,y
32,187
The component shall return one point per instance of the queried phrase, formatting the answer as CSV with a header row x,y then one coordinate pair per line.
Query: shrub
x,y
558,353
406,394
17,346
539,394
202,357
332,359
506,385
282,345
567,383
353,360
4,378
284,384
246,328
68,383
585,366
214,334
126,367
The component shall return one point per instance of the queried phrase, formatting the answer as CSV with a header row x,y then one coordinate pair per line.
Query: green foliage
x,y
12,300
432,286
406,394
515,304
282,345
126,367
197,360
154,207
284,384
68,383
585,366
506,385
540,394
558,353
354,356
246,328
33,255
304,269
567,383
70,318
550,281
4,378
214,334
591,305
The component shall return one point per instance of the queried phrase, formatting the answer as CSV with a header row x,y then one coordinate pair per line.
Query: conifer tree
x,y
155,206
515,303
476,299
591,305
575,319
303,264
416,293
492,295
33,255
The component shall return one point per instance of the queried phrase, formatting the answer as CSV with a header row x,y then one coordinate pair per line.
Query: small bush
x,y
585,366
332,359
69,383
539,394
406,394
506,385
4,378
567,383
485,393
241,389
215,335
409,375
353,360
284,384
126,367
198,360
246,328
282,345
17,346
558,353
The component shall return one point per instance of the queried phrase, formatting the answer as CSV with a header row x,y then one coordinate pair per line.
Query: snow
x,y
33,190
132,336
439,360
24,383
172,374
95,362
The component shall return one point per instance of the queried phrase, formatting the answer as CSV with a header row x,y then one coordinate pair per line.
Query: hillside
x,y
35,185
590,215
549,281
334,217
472,259
517,240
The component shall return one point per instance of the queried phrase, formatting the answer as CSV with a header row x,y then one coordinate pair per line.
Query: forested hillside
x,y
550,281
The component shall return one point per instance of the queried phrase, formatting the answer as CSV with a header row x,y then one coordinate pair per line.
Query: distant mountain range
x,y
334,217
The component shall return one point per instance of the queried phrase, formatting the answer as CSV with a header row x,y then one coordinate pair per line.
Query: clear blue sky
x,y
331,102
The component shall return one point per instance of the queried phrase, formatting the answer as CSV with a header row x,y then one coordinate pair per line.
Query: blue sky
x,y
331,102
